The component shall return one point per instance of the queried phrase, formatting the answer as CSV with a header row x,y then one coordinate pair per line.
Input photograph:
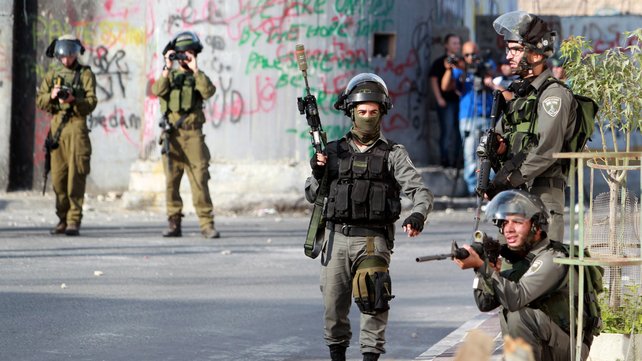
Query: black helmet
x,y
528,30
186,40
365,87
517,202
66,45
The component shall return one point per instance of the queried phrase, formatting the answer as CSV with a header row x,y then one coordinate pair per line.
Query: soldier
x,y
366,174
539,119
181,92
533,295
68,92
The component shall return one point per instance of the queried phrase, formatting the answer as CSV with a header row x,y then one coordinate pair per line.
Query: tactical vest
x,y
556,304
363,191
518,123
183,96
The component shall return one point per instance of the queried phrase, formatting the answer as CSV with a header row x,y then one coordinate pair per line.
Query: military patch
x,y
552,105
534,267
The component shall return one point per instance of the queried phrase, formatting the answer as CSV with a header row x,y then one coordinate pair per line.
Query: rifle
x,y
484,245
48,147
167,129
487,153
308,105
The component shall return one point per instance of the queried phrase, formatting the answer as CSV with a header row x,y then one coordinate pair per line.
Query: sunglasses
x,y
514,51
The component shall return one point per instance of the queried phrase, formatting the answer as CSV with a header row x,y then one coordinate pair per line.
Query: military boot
x,y
208,231
59,228
337,353
370,356
73,229
173,226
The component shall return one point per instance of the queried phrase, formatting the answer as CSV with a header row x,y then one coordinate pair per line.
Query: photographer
x,y
68,93
475,86
181,92
447,102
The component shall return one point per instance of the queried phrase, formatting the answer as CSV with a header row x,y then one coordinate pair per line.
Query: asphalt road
x,y
122,292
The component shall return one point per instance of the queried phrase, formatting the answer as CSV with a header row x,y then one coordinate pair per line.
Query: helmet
x,y
528,30
365,87
517,202
66,45
186,40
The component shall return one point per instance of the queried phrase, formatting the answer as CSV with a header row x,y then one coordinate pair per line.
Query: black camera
x,y
177,56
453,59
63,93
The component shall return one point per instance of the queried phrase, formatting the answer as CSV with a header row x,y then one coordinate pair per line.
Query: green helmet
x,y
186,40
365,87
66,45
517,202
528,30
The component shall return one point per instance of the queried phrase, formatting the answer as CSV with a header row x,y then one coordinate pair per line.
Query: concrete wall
x,y
6,56
249,55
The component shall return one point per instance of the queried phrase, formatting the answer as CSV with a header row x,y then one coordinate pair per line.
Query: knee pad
x,y
372,286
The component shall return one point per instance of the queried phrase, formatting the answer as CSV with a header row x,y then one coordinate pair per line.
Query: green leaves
x,y
612,78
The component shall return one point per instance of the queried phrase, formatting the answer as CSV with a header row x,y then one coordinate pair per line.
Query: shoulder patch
x,y
552,105
535,267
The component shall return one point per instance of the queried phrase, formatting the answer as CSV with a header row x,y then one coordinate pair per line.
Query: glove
x,y
317,170
416,220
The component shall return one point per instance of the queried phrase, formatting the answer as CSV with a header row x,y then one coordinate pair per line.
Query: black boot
x,y
173,226
337,353
59,228
370,356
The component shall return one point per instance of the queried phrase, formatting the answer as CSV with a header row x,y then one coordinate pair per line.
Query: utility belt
x,y
194,126
549,182
348,230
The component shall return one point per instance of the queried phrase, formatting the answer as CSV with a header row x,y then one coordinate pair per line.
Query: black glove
x,y
317,170
416,221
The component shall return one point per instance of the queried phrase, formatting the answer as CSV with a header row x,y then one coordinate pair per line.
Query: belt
x,y
357,231
549,182
194,126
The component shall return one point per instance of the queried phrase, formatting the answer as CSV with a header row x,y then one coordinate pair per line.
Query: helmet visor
x,y
514,202
66,48
363,78
512,25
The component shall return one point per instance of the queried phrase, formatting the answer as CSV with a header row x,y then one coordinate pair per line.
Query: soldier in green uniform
x,y
533,294
366,174
181,91
68,93
539,119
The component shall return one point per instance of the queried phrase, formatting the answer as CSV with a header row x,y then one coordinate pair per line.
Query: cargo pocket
x,y
83,154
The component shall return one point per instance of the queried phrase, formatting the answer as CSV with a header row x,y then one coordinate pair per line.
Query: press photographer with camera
x,y
181,91
447,105
474,84
68,93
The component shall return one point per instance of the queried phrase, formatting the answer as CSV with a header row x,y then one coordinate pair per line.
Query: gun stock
x,y
484,245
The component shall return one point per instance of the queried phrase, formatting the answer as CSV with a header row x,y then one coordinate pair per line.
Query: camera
x,y
177,56
453,59
64,92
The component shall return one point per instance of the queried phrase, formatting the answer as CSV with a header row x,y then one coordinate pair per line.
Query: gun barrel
x,y
436,257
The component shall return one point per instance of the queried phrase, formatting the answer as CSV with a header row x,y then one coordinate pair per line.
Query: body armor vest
x,y
363,191
183,96
519,127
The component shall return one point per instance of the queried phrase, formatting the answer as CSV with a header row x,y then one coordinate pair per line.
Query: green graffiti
x,y
365,27
260,62
292,34
323,31
247,35
333,132
370,7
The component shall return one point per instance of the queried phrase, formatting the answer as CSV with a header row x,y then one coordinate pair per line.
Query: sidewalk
x,y
445,349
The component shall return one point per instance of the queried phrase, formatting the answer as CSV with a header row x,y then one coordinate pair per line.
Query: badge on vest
x,y
552,105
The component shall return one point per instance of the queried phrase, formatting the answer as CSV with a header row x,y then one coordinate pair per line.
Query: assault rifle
x,y
484,245
487,153
167,129
308,105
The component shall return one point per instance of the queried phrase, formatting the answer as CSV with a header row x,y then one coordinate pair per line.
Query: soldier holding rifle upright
x,y
365,174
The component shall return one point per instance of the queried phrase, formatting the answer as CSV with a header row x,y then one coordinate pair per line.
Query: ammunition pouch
x,y
372,286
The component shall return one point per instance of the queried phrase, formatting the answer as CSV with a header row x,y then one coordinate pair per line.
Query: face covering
x,y
366,129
